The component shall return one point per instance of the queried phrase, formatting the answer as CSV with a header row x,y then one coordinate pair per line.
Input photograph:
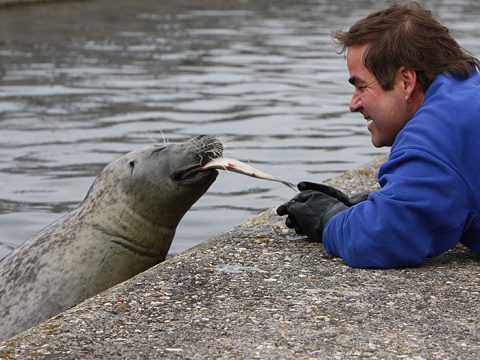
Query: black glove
x,y
309,211
337,194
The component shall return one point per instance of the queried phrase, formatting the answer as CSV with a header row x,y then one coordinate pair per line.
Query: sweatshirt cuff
x,y
328,238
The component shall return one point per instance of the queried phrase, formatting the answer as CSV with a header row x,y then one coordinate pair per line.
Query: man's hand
x,y
335,193
309,211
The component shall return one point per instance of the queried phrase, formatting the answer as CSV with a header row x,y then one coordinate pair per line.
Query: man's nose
x,y
355,103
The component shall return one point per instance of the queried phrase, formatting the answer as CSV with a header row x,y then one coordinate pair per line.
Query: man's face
x,y
387,112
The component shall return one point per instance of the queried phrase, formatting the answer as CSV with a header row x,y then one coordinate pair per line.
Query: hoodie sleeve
x,y
419,212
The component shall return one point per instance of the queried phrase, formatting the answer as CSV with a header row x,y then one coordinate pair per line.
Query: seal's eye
x,y
132,165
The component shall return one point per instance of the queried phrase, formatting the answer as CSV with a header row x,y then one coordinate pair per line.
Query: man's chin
x,y
378,143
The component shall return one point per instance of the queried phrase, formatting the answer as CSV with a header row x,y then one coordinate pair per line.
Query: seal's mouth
x,y
207,148
193,173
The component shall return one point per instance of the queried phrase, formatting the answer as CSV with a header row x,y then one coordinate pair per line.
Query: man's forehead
x,y
356,51
359,74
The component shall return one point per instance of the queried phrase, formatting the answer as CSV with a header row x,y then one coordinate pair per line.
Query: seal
x,y
124,226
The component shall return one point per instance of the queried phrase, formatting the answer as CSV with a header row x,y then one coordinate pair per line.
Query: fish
x,y
222,163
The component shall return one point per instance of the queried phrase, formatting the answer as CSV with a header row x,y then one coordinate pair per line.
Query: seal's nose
x,y
200,137
209,146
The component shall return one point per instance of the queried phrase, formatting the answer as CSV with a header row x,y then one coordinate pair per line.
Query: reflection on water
x,y
82,83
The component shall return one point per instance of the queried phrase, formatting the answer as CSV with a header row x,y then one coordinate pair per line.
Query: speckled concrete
x,y
260,291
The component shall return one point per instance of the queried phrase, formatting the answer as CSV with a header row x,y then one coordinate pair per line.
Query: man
x,y
420,93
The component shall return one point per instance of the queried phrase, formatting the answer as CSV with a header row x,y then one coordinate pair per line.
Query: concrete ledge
x,y
260,291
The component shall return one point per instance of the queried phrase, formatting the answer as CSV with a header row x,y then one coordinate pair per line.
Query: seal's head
x,y
124,226
158,183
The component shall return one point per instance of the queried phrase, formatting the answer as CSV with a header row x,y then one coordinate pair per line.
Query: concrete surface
x,y
260,291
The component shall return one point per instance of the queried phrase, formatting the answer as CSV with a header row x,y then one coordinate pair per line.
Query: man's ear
x,y
408,79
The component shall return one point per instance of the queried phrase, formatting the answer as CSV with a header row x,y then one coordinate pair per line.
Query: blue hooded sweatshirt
x,y
429,199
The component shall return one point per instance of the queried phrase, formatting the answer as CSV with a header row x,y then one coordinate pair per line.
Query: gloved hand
x,y
309,211
337,194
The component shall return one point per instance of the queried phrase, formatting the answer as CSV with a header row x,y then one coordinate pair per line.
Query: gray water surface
x,y
82,83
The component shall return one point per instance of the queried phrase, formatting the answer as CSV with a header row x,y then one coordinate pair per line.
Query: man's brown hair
x,y
407,35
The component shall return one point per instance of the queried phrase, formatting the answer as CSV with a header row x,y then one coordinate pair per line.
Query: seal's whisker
x,y
218,146
217,150
155,141
223,138
224,143
193,147
165,140
150,137
196,142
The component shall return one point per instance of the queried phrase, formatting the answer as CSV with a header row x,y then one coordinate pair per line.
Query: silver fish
x,y
237,166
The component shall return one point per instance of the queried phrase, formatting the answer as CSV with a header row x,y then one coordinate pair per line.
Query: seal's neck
x,y
131,230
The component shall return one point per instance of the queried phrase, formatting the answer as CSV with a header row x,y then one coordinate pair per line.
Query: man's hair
x,y
407,35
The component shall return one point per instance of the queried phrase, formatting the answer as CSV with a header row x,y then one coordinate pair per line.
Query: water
x,y
82,83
